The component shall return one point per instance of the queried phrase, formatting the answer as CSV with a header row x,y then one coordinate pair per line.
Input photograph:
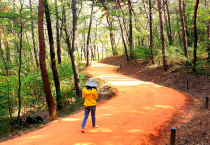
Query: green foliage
x,y
142,53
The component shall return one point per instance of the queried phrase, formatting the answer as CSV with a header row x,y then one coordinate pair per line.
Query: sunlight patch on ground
x,y
29,139
35,137
135,131
136,111
106,114
84,143
101,130
70,119
162,106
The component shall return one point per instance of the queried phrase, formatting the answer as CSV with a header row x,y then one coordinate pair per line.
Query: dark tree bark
x,y
195,33
125,47
88,37
32,34
20,63
73,50
112,37
166,21
52,56
150,26
208,35
57,32
169,24
46,83
183,30
130,31
162,37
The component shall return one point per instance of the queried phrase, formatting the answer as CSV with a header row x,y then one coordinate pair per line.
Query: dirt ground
x,y
193,125
137,115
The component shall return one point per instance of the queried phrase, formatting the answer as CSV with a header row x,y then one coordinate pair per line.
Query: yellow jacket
x,y
90,97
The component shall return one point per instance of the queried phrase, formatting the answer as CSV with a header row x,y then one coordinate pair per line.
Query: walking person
x,y
90,95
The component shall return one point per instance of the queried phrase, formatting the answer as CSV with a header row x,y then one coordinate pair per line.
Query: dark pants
x,y
87,111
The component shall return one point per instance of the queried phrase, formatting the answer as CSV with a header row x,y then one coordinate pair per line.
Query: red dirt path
x,y
127,119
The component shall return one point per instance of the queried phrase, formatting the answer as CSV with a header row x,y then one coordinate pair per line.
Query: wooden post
x,y
173,136
207,102
187,85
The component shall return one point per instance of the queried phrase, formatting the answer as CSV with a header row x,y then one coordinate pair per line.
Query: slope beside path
x,y
127,119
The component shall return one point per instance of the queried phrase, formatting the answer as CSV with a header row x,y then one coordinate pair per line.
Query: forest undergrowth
x,y
34,102
192,123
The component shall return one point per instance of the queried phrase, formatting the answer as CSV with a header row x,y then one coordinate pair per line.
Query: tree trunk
x,y
112,38
183,30
13,19
177,23
81,53
20,63
145,11
169,24
150,26
130,31
98,52
123,21
7,74
52,56
73,51
46,83
195,34
162,37
208,35
88,37
125,47
166,21
57,32
32,34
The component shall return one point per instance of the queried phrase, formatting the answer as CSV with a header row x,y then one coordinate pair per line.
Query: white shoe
x,y
95,126
83,131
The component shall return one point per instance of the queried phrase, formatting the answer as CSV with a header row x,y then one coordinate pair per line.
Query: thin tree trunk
x,y
195,34
57,32
88,37
166,21
123,21
20,63
98,52
73,51
177,23
145,10
85,57
150,26
112,38
14,19
32,33
81,54
125,47
169,24
183,30
52,56
6,44
46,83
130,32
7,74
208,35
162,37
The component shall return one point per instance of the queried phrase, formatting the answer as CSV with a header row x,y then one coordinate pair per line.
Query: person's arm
x,y
84,94
95,94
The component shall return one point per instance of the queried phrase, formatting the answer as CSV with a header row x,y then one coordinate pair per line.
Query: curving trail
x,y
127,119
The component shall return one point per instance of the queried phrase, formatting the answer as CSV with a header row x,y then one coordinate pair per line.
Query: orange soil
x,y
130,118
